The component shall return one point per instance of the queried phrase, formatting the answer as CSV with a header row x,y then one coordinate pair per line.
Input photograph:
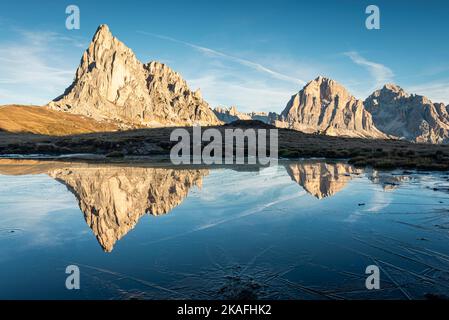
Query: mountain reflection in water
x,y
114,197
299,230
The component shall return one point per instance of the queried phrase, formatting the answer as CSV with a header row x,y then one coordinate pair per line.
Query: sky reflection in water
x,y
302,230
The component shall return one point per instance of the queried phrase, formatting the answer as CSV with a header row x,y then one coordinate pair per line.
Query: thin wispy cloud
x,y
34,67
244,62
247,95
379,72
227,80
39,37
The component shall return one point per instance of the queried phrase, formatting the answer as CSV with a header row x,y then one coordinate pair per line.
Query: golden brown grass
x,y
41,120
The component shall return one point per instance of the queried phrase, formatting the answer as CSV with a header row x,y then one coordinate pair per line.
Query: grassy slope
x,y
40,120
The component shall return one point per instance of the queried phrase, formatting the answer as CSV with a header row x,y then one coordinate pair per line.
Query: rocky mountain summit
x,y
324,106
228,115
112,84
411,117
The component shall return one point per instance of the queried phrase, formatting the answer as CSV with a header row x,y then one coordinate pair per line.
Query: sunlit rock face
x,y
322,179
112,84
410,117
324,106
113,199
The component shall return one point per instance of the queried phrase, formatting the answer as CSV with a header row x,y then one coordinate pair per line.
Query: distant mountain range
x,y
231,114
112,86
324,106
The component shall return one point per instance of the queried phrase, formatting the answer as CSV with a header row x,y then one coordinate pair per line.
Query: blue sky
x,y
252,54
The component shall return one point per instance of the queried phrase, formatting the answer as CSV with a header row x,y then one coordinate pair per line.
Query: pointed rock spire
x,y
112,84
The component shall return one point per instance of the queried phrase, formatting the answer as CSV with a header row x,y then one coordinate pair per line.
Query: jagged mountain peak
x,y
159,67
103,41
112,84
103,34
325,81
103,29
327,88
324,106
408,116
322,81
389,91
162,73
392,87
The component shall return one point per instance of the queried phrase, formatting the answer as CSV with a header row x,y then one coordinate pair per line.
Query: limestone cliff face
x,y
113,199
410,117
173,101
112,84
321,179
324,106
228,115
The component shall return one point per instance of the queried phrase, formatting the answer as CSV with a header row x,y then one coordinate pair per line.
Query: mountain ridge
x,y
390,111
408,116
112,86
111,83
